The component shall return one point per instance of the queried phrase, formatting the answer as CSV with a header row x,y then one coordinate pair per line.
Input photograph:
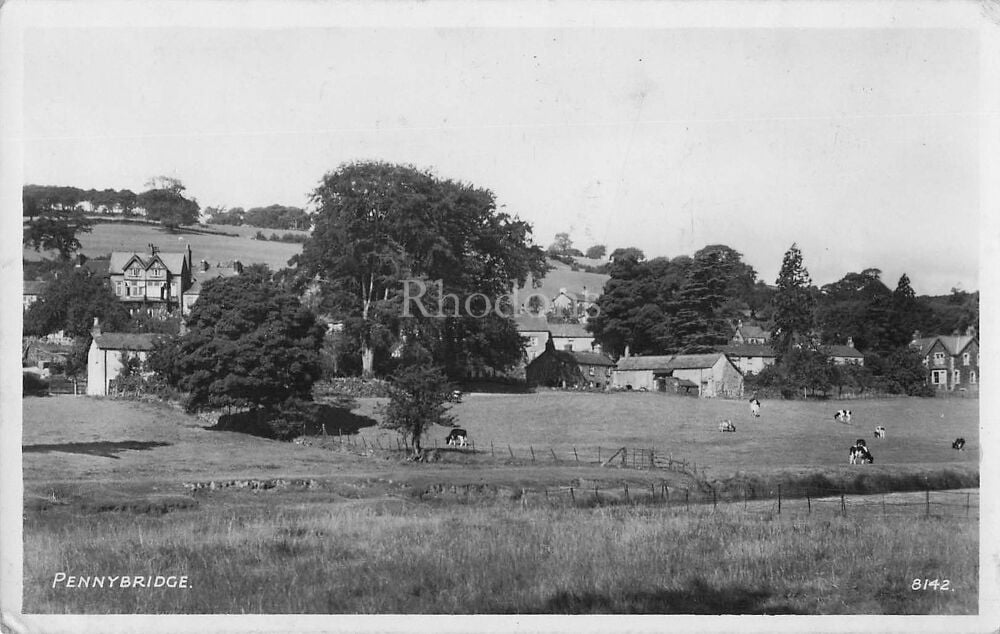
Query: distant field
x,y
574,281
108,237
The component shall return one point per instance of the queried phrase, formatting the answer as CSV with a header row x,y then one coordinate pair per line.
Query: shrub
x,y
33,385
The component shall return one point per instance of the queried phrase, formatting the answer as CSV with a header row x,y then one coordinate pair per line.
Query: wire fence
x,y
914,504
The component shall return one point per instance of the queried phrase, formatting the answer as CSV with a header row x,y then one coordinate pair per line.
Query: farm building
x,y
535,329
569,368
750,357
107,354
713,373
572,337
840,354
747,333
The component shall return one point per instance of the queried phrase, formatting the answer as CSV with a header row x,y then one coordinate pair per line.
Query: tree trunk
x,y
417,450
367,361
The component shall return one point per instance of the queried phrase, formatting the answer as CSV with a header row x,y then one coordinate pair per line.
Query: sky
x,y
860,145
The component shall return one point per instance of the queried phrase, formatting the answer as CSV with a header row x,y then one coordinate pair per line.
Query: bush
x,y
33,385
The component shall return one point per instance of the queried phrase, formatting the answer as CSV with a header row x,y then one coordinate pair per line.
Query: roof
x,y
653,362
755,332
693,361
748,350
587,358
954,344
843,351
126,341
96,267
174,262
568,330
33,287
529,322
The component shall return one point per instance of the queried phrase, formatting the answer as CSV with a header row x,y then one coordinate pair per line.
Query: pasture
x,y
368,532
789,435
108,237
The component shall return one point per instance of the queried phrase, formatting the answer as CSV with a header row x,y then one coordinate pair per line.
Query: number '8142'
x,y
931,584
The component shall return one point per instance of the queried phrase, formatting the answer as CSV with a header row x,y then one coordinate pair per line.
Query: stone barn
x,y
570,369
713,374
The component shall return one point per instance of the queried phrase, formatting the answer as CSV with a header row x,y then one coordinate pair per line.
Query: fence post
x,y
532,452
552,451
779,499
652,492
967,496
626,492
511,452
597,495
843,505
572,495
744,497
809,503
928,498
599,453
687,499
576,455
714,501
492,453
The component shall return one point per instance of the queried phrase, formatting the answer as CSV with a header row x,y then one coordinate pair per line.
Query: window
x,y
938,358
965,358
956,377
118,289
157,272
972,376
591,370
938,377
134,271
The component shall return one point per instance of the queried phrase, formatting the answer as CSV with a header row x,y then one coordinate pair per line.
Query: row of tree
x,y
270,217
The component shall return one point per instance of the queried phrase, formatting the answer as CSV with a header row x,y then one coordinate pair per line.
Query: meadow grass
x,y
395,556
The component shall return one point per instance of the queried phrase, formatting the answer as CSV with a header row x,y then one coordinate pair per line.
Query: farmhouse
x,y
156,279
568,304
572,337
107,354
713,373
841,354
749,334
535,330
750,357
952,361
565,368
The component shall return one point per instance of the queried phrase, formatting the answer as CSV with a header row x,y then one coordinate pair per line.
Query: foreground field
x,y
110,490
322,553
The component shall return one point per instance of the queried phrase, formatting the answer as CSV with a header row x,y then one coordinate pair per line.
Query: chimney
x,y
189,255
970,331
153,249
626,351
204,265
850,342
95,330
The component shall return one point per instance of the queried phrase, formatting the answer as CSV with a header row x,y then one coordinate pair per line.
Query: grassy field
x,y
108,237
107,492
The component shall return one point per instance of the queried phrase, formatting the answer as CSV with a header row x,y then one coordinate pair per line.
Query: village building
x,y
844,354
952,361
108,353
156,280
30,293
574,337
747,333
713,373
570,369
206,271
750,358
534,331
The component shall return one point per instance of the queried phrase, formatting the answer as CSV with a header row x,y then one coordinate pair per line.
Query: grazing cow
x,y
727,425
958,444
859,453
755,408
842,416
457,437
455,396
880,432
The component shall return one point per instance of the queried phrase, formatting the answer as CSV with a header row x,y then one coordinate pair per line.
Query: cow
x,y
959,444
727,425
755,408
842,416
859,453
880,432
455,396
457,437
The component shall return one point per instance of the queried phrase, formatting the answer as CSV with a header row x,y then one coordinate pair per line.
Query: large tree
x,y
71,301
856,306
418,398
794,302
697,324
54,221
378,225
166,204
249,344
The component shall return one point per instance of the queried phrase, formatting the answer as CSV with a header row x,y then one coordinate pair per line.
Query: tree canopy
x,y
249,343
165,203
794,302
379,224
70,302
418,398
596,252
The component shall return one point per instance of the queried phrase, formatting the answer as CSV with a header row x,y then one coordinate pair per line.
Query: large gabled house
x,y
155,280
952,361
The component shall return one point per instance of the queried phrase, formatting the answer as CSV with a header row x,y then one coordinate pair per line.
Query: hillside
x,y
561,276
108,237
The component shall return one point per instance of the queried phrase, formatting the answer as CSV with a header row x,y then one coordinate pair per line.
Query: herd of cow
x,y
858,453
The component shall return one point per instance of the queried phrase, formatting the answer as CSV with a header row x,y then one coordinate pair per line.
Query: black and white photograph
x,y
484,316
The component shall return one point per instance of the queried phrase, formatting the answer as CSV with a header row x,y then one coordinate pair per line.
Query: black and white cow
x,y
880,432
958,444
842,416
457,437
727,425
755,408
859,453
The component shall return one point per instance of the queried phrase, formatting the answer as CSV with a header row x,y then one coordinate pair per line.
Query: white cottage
x,y
107,353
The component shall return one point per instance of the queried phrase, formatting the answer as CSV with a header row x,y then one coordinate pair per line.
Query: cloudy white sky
x,y
860,144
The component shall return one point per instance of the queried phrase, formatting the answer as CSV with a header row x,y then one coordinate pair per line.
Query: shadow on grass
x,y
335,419
698,598
100,449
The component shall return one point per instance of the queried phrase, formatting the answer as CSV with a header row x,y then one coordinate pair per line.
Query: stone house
x,y
952,361
107,355
150,280
570,369
713,373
